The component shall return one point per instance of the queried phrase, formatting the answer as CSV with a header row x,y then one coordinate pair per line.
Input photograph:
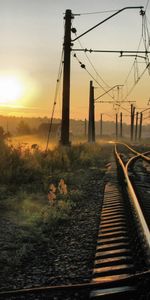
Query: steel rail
x,y
70,287
139,214
134,151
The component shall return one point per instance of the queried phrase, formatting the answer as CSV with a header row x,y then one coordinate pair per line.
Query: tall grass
x,y
25,177
19,167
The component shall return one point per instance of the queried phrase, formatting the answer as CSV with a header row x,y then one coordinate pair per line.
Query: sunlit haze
x,y
32,35
11,90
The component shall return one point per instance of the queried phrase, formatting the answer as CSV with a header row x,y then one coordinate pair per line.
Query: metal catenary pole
x,y
136,126
101,125
140,127
121,125
132,120
85,127
116,126
91,125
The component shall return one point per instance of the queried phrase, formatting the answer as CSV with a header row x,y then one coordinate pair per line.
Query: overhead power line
x,y
136,82
111,16
145,37
92,65
111,51
84,67
55,99
146,5
97,12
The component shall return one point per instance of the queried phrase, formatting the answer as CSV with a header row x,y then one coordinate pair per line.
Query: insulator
x,y
83,66
142,12
73,30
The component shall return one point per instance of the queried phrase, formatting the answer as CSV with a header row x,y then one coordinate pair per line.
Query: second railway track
x,y
123,239
119,251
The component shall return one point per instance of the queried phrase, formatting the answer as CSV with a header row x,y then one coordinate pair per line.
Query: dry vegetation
x,y
25,178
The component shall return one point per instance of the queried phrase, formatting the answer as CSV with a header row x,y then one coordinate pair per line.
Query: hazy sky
x,y
32,34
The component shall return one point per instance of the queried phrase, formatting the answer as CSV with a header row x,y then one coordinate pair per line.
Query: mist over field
x,y
77,128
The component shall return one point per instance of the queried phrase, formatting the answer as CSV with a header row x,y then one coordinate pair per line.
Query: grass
x,y
27,141
25,177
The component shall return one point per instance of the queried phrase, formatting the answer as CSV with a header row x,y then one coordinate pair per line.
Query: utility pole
x,y
140,128
64,140
91,125
136,126
7,126
66,81
116,126
121,125
85,127
132,121
131,128
101,126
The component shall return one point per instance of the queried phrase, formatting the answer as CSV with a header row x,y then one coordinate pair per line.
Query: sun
x,y
11,89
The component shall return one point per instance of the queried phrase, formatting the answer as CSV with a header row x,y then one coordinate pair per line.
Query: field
x,y
34,223
26,141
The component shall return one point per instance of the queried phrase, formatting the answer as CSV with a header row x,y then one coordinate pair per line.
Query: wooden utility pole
x,y
85,127
116,126
140,126
91,125
121,125
136,126
66,81
132,121
101,125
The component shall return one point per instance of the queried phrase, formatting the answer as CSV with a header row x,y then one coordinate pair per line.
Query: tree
x,y
2,134
23,128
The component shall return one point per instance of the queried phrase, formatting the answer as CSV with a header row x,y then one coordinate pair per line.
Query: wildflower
x,y
51,194
62,187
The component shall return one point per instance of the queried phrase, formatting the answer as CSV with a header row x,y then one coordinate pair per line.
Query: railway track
x,y
122,259
123,246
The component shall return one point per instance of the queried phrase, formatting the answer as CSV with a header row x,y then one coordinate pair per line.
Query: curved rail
x,y
141,220
136,152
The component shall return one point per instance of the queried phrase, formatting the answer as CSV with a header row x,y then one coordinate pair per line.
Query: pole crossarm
x,y
145,110
122,107
115,102
146,118
119,11
117,85
134,55
121,52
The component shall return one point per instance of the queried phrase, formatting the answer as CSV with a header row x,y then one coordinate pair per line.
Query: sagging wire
x,y
136,70
120,106
55,98
146,5
84,67
145,37
130,91
92,65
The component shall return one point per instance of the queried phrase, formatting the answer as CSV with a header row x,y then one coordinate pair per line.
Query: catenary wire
x,y
146,5
84,67
132,67
133,86
97,12
92,65
55,98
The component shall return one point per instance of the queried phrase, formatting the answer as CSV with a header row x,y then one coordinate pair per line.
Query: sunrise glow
x,y
11,89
